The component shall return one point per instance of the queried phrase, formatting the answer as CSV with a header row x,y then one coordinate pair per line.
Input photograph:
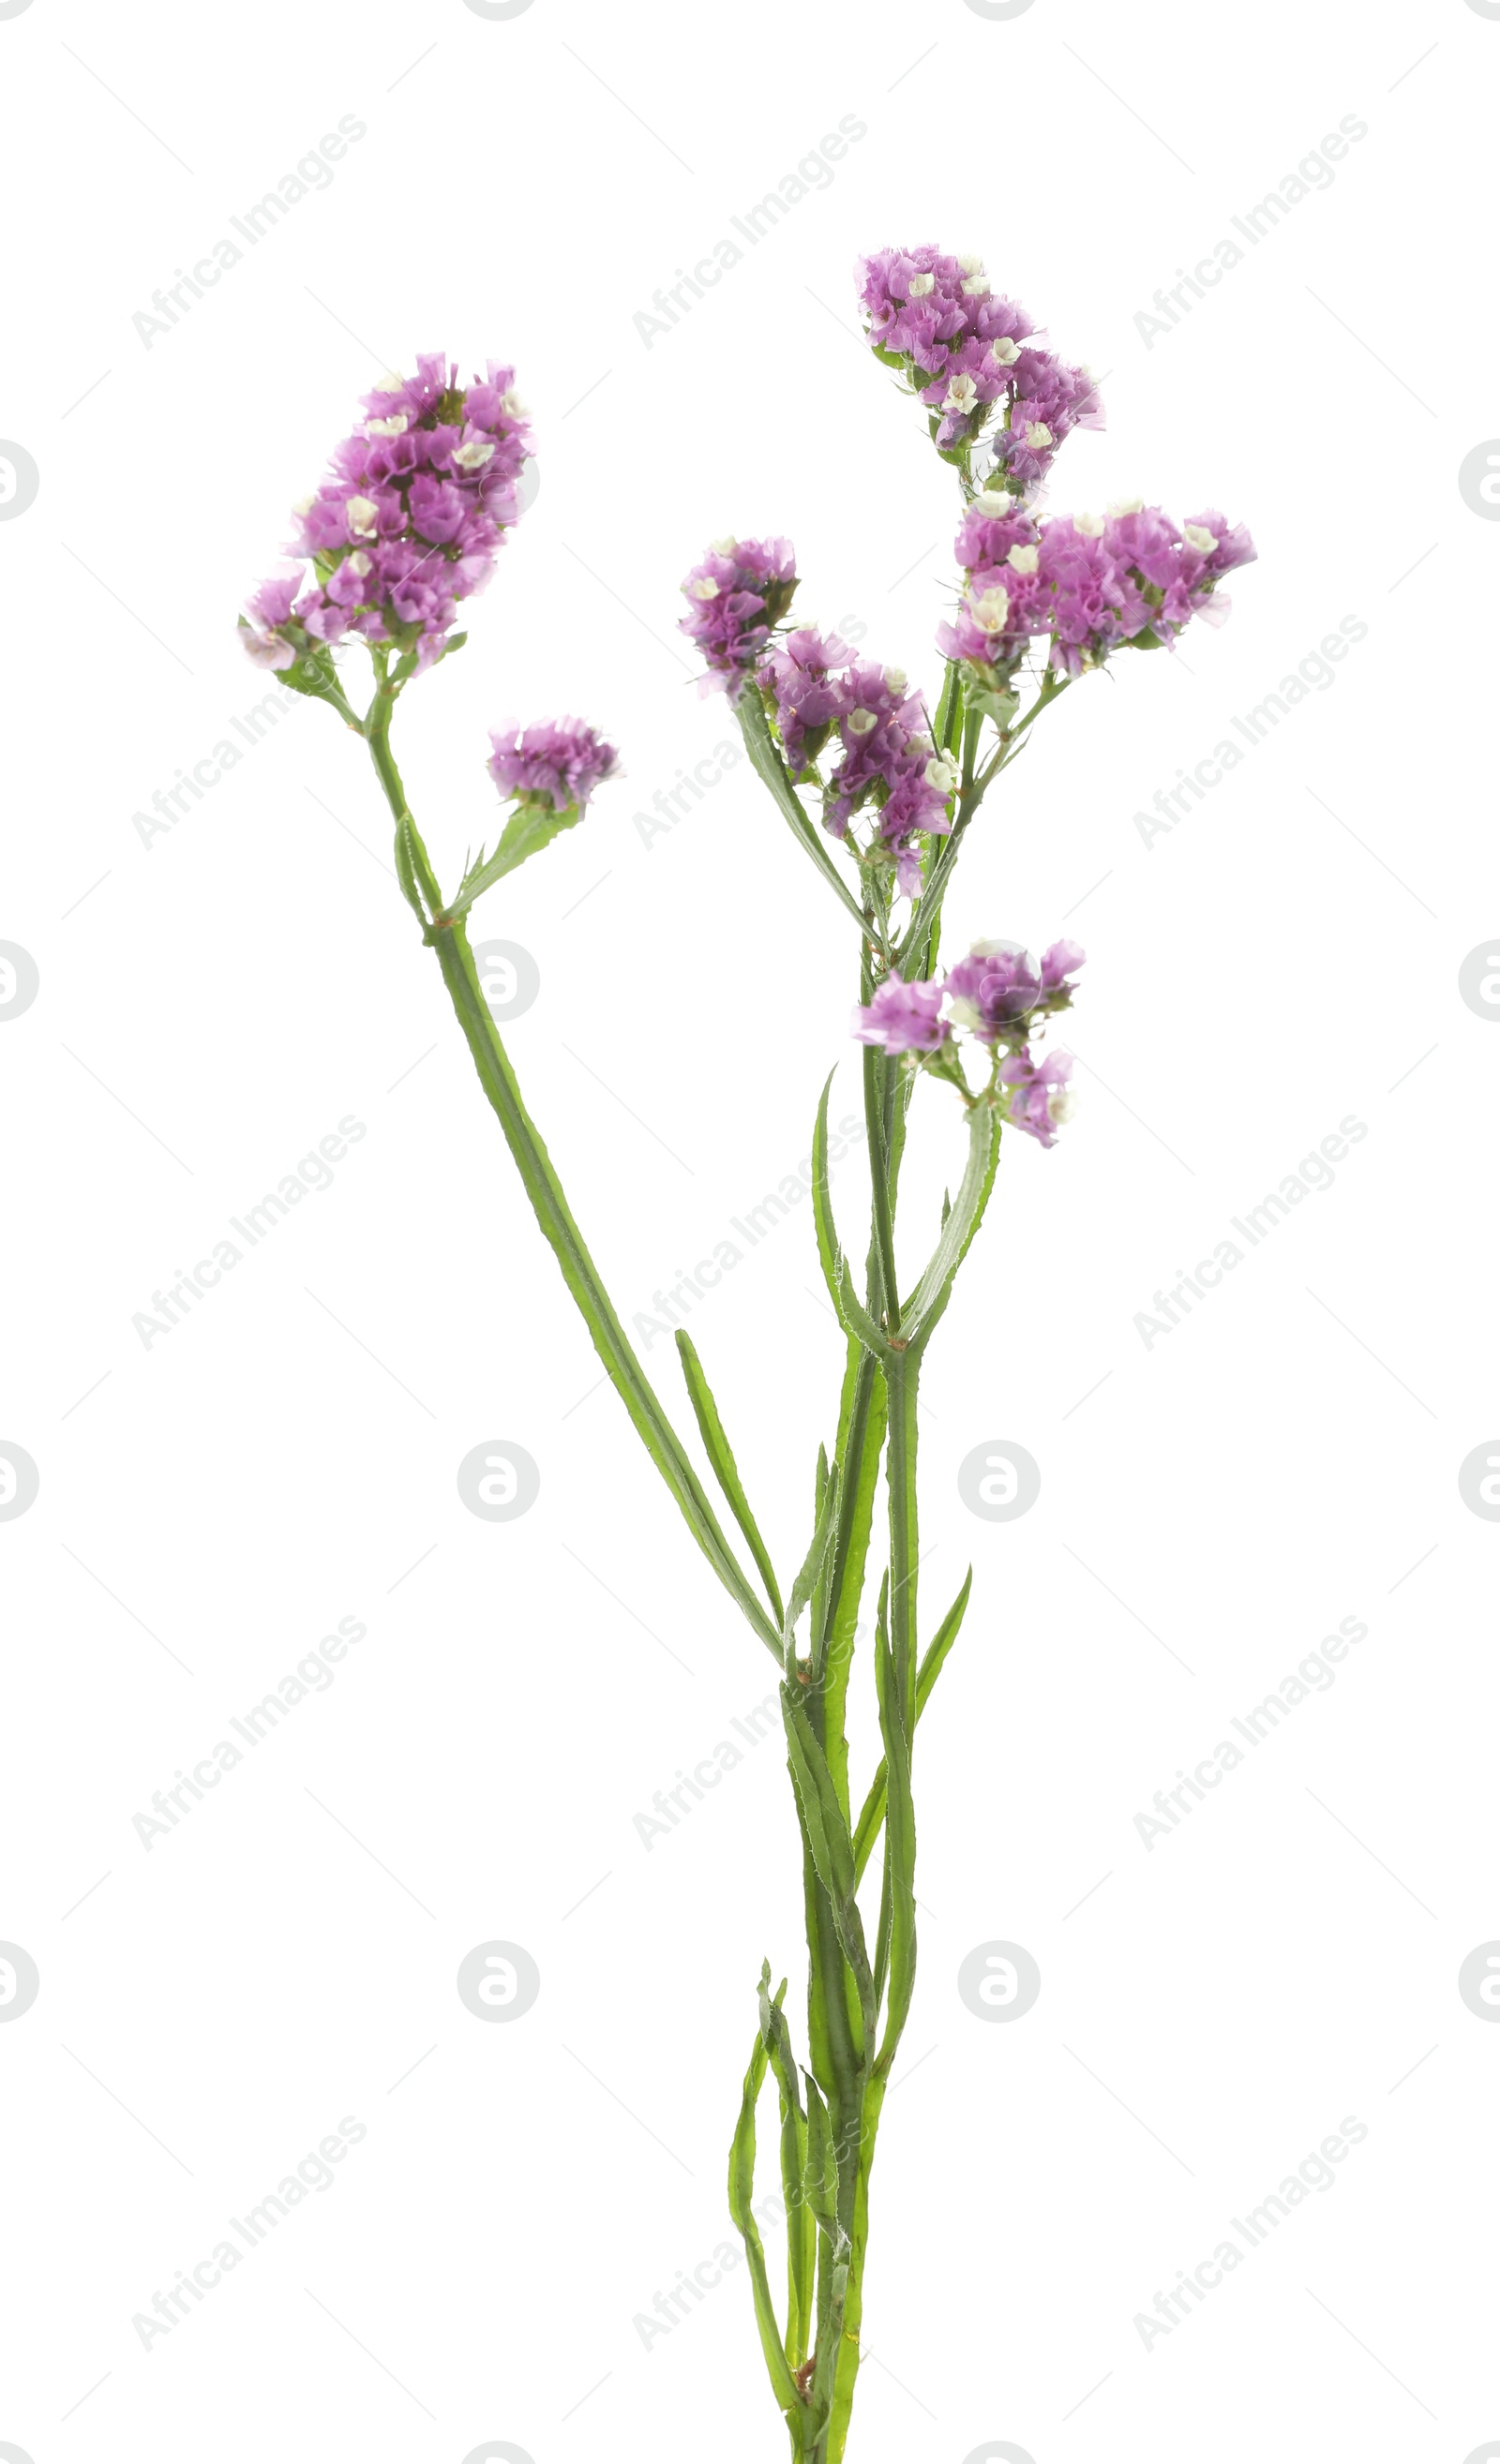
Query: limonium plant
x,y
880,785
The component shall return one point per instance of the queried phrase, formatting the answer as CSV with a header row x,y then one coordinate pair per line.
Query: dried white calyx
x,y
992,609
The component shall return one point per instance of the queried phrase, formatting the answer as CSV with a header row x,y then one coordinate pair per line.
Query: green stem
x,y
900,1377
544,1190
878,1072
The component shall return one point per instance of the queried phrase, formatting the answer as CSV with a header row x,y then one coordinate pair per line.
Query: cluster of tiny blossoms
x,y
735,595
557,763
816,689
822,696
1000,996
1091,582
971,354
408,521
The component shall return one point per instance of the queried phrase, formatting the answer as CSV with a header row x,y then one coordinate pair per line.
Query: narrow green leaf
x,y
800,2234
930,1296
833,1850
821,2179
855,1320
742,2194
769,766
873,1815
720,1454
900,1850
531,827
861,1438
810,1572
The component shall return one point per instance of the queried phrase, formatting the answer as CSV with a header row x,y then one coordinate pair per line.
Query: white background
x,y
212,1003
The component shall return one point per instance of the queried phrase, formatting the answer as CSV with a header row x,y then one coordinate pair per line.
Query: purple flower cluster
x,y
1092,583
557,762
736,594
1002,997
408,521
886,758
969,352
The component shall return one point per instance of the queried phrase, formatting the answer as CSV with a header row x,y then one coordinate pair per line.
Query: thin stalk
x,y
877,1069
543,1187
901,1376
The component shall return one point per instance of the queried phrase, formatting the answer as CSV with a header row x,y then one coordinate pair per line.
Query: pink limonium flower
x,y
408,521
999,989
736,594
1092,583
902,1017
973,354
559,762
1041,1097
876,732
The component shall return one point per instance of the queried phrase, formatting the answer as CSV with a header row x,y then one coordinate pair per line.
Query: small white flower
x,y
992,609
1038,435
391,382
971,265
962,1011
859,722
1197,536
1091,525
362,517
473,455
1023,559
303,505
977,286
1128,505
992,503
704,588
942,772
895,678
919,285
1061,1104
394,425
961,395
1005,353
358,563
511,404
723,546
